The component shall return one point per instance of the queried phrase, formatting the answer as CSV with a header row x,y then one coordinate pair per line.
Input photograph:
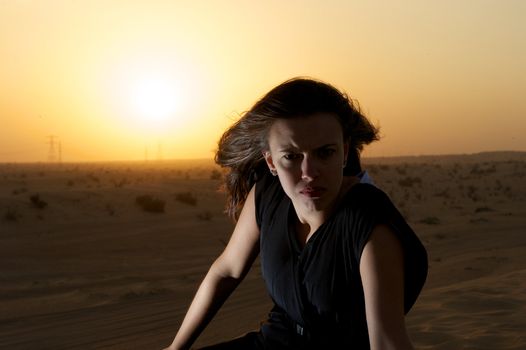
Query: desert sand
x,y
84,264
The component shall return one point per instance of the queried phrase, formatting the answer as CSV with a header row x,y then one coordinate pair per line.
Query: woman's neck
x,y
308,221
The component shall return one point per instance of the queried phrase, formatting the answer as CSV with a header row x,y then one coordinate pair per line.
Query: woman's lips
x,y
312,192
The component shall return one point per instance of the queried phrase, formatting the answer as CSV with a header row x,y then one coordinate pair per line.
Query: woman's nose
x,y
309,169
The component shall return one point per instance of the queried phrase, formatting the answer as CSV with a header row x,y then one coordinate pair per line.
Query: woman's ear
x,y
270,162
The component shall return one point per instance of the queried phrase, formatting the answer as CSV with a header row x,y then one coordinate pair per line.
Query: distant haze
x,y
113,80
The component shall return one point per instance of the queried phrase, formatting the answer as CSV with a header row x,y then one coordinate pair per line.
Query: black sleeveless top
x,y
317,290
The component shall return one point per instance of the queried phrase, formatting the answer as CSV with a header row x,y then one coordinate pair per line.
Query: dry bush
x,y
37,202
110,209
186,198
19,190
472,193
120,183
444,193
10,214
483,209
478,220
150,204
477,169
215,175
205,216
402,170
430,220
410,181
93,177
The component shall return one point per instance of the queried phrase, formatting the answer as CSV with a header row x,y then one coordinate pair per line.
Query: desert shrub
x,y
37,202
150,204
472,193
119,183
477,169
401,170
215,175
409,181
10,215
205,216
19,190
478,220
110,209
93,178
430,220
444,193
186,198
483,210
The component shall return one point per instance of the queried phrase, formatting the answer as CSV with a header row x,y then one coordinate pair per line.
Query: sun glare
x,y
152,98
155,100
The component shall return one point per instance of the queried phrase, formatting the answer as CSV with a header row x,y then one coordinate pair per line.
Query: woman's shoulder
x,y
366,196
367,206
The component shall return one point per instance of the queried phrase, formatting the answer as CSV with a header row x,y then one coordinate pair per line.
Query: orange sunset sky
x,y
122,80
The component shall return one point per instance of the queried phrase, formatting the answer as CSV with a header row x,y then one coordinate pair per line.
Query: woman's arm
x,y
223,277
382,271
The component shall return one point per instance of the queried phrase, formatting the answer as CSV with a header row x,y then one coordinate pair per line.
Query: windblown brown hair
x,y
241,147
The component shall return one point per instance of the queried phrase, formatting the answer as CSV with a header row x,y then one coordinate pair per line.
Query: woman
x,y
340,263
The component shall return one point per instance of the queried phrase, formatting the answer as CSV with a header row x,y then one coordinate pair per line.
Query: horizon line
x,y
211,159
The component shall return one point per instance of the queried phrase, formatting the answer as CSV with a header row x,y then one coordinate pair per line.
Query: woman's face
x,y
308,154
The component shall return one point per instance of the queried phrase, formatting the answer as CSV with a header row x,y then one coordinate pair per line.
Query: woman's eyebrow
x,y
290,148
328,145
286,149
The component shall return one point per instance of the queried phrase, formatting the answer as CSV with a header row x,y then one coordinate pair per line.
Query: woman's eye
x,y
326,152
291,156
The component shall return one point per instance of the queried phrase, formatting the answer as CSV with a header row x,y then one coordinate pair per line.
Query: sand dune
x,y
85,265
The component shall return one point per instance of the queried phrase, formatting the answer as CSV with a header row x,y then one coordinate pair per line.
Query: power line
x,y
52,151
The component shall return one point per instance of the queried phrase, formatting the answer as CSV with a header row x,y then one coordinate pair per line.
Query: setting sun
x,y
149,98
154,99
